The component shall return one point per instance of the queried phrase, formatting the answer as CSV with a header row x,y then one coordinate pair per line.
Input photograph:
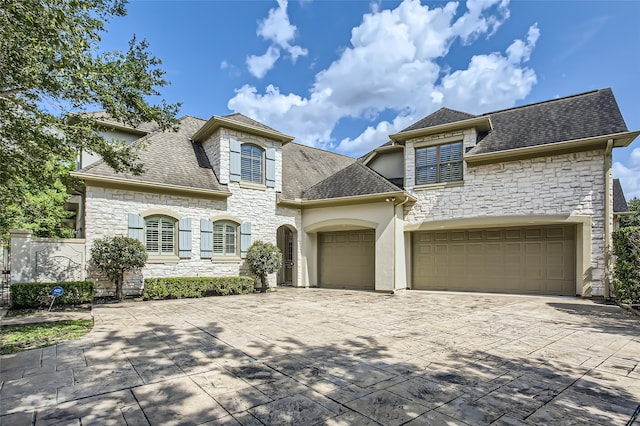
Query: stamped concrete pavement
x,y
312,356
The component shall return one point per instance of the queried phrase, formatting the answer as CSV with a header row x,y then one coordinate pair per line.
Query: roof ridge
x,y
548,101
323,150
454,110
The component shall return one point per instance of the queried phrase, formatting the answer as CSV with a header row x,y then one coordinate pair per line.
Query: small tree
x,y
626,276
633,219
113,256
263,259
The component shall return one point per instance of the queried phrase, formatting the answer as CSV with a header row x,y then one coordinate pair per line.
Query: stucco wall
x,y
379,216
567,185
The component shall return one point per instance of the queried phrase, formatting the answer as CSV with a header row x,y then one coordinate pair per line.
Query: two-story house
x,y
518,201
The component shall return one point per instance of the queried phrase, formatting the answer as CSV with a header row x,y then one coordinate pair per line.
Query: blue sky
x,y
342,75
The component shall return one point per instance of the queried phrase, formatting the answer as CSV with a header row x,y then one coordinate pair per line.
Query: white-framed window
x,y
439,163
252,163
160,235
225,238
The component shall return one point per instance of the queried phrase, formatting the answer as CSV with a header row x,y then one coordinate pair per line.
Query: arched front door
x,y
286,244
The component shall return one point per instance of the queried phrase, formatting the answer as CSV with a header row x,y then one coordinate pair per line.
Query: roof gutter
x,y
104,181
482,123
356,199
619,140
216,122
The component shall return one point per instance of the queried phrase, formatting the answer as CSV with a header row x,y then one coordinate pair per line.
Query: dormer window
x,y
251,164
439,163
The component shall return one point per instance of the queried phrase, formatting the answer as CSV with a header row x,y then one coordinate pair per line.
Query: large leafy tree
x,y
632,219
52,70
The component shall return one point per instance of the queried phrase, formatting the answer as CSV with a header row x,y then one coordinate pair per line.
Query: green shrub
x,y
263,259
34,295
186,287
113,256
626,275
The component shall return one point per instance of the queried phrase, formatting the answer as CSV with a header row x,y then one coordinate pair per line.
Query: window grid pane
x,y
251,163
442,163
225,239
160,235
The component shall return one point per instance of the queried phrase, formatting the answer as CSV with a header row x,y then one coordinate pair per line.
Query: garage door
x,y
346,260
529,260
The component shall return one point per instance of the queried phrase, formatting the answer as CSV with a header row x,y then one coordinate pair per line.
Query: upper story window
x,y
160,235
252,159
439,163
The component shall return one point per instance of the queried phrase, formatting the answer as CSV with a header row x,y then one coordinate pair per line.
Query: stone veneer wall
x,y
106,214
569,184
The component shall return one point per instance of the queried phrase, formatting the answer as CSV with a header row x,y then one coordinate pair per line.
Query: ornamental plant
x,y
113,256
626,276
263,259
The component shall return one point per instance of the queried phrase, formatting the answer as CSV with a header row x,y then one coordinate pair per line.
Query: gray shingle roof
x,y
355,179
107,119
241,118
168,158
441,116
304,166
619,202
580,116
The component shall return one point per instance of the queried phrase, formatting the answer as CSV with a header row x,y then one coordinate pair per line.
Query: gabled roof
x,y
581,116
354,180
304,166
239,122
619,202
441,116
170,160
109,122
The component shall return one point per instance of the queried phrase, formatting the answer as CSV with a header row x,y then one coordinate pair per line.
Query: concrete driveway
x,y
311,356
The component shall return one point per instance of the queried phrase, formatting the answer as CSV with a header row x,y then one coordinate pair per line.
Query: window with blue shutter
x,y
225,238
160,235
184,240
252,157
206,239
270,167
245,238
235,168
136,227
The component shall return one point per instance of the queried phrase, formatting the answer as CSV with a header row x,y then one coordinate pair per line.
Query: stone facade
x,y
106,212
569,184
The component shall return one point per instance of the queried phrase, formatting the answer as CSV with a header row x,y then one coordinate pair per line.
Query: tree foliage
x,y
52,70
634,218
263,259
626,276
113,256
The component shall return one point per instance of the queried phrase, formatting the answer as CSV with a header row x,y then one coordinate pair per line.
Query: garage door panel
x,y
347,260
536,260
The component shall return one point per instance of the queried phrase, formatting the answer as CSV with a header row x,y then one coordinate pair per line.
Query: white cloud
x,y
260,65
629,175
392,64
277,29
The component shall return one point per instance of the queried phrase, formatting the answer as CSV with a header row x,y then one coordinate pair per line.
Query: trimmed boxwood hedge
x,y
186,287
35,295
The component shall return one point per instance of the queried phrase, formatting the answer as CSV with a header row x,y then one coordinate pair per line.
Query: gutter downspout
x,y
607,219
395,218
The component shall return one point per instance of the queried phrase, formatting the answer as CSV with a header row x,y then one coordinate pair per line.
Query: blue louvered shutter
x,y
136,227
206,239
235,167
184,237
245,238
271,167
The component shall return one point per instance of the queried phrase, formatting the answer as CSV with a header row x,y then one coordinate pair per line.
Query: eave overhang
x,y
481,124
216,122
164,188
620,140
109,125
398,196
381,150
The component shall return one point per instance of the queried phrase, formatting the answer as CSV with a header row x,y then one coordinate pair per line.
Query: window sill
x,y
251,185
162,259
439,185
230,259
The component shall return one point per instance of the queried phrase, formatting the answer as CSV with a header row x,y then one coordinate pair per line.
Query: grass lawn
x,y
33,336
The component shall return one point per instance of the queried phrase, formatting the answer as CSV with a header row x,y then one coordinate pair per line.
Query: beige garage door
x,y
346,260
530,260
